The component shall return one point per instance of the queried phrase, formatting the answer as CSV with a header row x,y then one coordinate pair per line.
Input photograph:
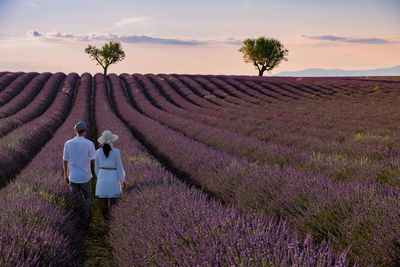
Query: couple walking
x,y
78,154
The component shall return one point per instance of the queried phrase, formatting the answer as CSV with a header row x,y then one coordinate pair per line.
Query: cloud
x,y
335,38
133,20
128,38
34,34
232,41
54,36
31,4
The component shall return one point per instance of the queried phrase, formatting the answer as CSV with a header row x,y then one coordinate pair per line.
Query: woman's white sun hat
x,y
107,137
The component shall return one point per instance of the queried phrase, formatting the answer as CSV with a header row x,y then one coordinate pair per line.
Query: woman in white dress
x,y
109,170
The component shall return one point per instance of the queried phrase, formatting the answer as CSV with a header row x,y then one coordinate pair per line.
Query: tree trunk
x,y
105,72
261,71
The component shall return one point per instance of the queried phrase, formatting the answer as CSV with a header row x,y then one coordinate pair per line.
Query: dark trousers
x,y
85,190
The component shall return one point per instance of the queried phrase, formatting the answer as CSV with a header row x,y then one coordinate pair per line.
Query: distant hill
x,y
316,72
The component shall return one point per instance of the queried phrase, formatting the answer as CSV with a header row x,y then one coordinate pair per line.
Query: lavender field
x,y
221,170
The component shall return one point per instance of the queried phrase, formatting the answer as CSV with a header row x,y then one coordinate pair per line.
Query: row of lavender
x,y
374,91
230,92
156,107
38,222
46,89
355,160
239,91
15,87
7,78
271,116
310,202
26,96
33,132
145,159
194,84
372,96
359,129
228,136
170,224
342,85
286,116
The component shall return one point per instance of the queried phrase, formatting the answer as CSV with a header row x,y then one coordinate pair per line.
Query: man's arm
x,y
65,162
92,157
66,171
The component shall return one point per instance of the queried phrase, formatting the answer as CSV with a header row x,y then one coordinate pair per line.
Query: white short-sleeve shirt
x,y
79,152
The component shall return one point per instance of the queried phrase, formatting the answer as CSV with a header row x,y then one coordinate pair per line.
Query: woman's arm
x,y
96,165
120,168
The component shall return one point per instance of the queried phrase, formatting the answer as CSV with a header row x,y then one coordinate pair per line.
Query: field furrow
x,y
221,170
297,151
35,108
223,140
236,91
16,87
269,98
200,227
198,90
310,202
3,73
39,225
25,97
7,78
22,144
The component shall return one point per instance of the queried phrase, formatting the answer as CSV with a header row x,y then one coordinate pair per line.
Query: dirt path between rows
x,y
97,252
96,249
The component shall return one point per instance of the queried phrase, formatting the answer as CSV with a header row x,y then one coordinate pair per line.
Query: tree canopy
x,y
264,53
109,54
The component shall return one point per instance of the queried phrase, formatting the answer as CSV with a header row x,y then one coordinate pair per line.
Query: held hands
x,y
123,185
66,179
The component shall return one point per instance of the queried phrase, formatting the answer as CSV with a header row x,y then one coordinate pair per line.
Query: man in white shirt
x,y
79,152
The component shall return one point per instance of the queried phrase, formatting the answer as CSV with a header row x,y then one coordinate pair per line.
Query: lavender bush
x,y
181,226
219,137
23,143
253,187
7,78
275,158
341,160
25,97
38,222
36,107
15,87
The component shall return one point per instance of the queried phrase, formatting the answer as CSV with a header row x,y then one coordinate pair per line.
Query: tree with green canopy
x,y
264,53
109,54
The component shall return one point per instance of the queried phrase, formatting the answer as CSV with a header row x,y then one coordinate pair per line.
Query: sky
x,y
197,37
